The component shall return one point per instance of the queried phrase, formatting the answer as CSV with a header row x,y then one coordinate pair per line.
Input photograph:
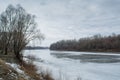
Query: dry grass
x,y
46,75
4,66
8,73
31,70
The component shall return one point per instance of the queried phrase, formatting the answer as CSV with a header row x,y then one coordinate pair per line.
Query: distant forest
x,y
94,43
35,47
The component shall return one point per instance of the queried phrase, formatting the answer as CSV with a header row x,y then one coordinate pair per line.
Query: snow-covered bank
x,y
11,71
25,71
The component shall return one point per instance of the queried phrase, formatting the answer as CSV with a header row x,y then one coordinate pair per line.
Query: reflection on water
x,y
90,57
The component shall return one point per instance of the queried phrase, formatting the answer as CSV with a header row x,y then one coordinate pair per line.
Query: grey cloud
x,y
66,19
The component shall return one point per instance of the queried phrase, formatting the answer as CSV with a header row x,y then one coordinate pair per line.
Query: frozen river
x,y
70,65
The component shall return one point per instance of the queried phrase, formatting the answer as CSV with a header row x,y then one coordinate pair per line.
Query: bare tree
x,y
5,31
17,28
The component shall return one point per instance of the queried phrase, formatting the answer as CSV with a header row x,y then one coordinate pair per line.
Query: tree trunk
x,y
18,56
6,51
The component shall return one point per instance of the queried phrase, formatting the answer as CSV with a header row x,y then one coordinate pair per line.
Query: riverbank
x,y
8,72
12,70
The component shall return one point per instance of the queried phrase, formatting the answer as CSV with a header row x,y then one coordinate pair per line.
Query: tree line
x,y
17,29
94,43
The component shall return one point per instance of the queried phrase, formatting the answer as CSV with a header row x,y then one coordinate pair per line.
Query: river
x,y
70,65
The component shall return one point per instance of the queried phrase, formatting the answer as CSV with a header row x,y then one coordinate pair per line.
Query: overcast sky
x,y
71,19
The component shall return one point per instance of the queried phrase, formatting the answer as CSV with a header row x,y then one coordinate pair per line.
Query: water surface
x,y
69,65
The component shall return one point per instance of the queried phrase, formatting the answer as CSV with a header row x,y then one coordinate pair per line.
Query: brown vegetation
x,y
8,73
31,70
